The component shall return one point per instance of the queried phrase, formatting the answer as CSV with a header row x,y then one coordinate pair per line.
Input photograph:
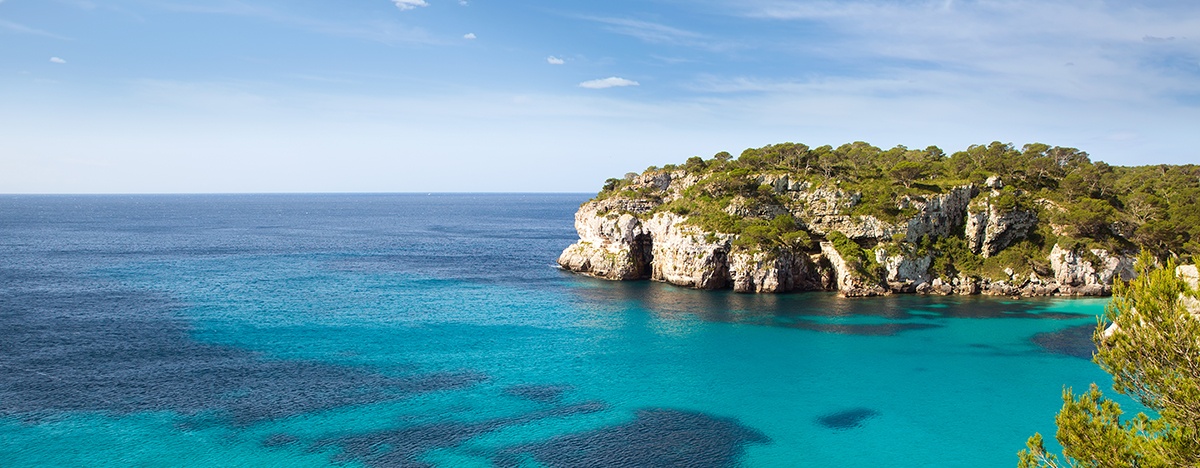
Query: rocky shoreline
x,y
627,238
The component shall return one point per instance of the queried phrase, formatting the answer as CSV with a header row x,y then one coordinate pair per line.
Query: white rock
x,y
685,256
988,231
1070,269
1189,274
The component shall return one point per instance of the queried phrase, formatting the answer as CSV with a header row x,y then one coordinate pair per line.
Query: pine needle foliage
x,y
1153,354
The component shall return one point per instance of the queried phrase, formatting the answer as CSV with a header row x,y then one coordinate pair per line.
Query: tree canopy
x,y
1150,343
1152,208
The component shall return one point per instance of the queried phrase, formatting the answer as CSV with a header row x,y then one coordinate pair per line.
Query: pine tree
x,y
1150,343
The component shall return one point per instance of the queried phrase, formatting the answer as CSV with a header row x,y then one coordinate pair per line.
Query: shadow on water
x,y
73,344
656,437
817,311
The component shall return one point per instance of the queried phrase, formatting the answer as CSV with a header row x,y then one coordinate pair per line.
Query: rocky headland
x,y
773,227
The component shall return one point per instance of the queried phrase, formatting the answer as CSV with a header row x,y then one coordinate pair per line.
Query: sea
x,y
397,330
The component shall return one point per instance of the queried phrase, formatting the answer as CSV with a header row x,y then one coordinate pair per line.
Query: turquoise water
x,y
412,330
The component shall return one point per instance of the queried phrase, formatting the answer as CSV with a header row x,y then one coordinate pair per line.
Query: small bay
x,y
435,330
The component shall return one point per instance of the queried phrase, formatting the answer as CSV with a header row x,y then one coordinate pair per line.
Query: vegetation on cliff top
x,y
1081,204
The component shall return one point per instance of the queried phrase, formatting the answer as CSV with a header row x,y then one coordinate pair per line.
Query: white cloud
x,y
409,4
55,59
462,2
552,60
469,36
610,82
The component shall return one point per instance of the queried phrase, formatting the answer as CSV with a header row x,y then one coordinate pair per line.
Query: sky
x,y
176,96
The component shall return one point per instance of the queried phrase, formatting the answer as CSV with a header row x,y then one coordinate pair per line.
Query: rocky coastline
x,y
623,237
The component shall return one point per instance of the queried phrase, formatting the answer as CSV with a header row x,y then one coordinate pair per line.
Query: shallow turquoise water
x,y
404,330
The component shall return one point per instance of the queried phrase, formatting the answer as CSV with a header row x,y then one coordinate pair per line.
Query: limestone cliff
x,y
904,272
849,278
686,256
612,243
649,230
764,272
1081,274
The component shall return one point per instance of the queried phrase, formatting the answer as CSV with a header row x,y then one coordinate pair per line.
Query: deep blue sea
x,y
435,330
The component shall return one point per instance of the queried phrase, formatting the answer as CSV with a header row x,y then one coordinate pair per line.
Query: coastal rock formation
x,y
1089,275
624,239
850,282
937,216
612,243
990,230
771,228
822,211
685,256
772,272
904,273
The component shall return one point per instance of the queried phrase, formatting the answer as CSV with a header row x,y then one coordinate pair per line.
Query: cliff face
x,y
849,280
665,248
761,272
685,256
632,237
1078,274
612,245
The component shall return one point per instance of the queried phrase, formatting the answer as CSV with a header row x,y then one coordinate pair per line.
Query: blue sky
x,y
130,96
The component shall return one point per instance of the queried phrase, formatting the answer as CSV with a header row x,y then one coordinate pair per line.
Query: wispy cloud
x,y
1071,49
1149,38
57,60
469,36
409,4
17,28
610,82
647,31
552,60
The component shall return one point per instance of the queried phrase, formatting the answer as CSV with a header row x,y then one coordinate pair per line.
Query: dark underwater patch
x,y
538,393
279,440
75,344
804,310
848,419
873,329
656,437
1072,341
402,447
